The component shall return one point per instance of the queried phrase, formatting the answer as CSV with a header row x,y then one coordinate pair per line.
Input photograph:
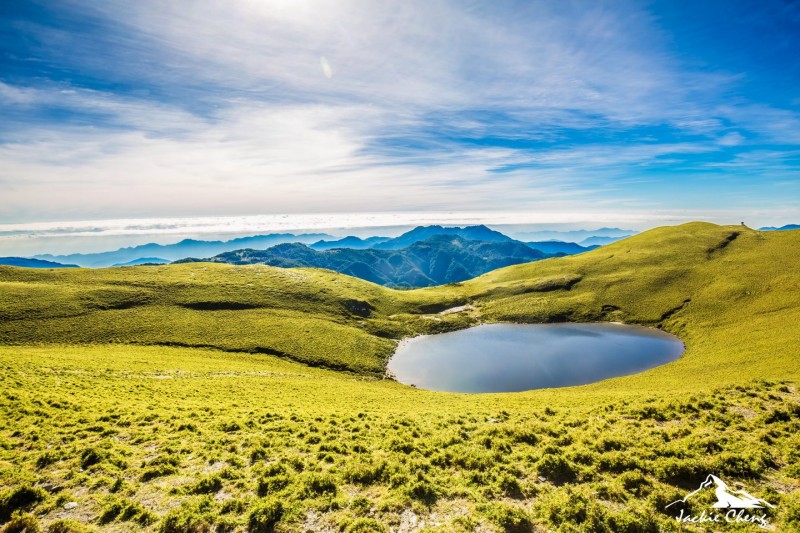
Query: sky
x,y
618,112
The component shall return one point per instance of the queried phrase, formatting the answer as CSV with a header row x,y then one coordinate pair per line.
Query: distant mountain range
x,y
560,247
782,228
436,260
32,263
600,240
184,248
188,248
144,261
350,242
578,236
423,256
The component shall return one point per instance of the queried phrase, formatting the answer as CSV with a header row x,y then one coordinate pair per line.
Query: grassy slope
x,y
91,423
735,306
303,314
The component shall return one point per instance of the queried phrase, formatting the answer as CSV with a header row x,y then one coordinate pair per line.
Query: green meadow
x,y
209,397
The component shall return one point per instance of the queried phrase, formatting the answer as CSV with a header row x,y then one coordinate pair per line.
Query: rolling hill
x,y
247,397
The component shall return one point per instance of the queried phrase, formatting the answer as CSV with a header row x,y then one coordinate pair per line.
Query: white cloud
x,y
267,106
259,160
733,138
773,124
536,56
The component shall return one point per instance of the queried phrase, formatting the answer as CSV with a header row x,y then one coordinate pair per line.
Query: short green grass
x,y
208,397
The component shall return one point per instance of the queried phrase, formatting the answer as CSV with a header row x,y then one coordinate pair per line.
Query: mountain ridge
x,y
421,233
782,228
354,243
560,247
438,260
572,235
178,250
27,262
193,248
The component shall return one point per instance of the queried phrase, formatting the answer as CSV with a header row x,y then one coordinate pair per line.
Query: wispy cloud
x,y
288,106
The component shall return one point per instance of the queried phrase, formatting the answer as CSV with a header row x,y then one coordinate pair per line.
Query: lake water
x,y
518,357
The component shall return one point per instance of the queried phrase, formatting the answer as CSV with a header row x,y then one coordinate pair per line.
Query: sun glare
x,y
282,8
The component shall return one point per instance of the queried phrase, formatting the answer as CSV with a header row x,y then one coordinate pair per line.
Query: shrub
x,y
67,526
682,472
609,444
635,483
360,505
738,465
508,518
187,519
556,469
401,445
565,507
424,492
92,456
160,470
47,458
616,462
21,498
125,511
273,480
526,436
790,511
366,525
264,515
650,412
509,486
233,506
316,484
271,485
207,485
364,472
777,415
230,426
117,485
22,523
258,454
627,522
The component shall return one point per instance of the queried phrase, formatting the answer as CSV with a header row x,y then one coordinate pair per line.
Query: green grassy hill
x,y
173,398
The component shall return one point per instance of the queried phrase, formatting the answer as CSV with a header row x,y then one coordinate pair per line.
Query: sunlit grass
x,y
96,410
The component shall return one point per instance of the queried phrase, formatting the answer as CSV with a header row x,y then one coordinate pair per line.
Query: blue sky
x,y
633,111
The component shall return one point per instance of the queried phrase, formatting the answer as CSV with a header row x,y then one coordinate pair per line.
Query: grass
x,y
308,315
174,399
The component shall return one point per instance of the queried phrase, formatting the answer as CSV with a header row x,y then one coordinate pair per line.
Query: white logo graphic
x,y
727,498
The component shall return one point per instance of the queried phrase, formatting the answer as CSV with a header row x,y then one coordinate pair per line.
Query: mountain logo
x,y
735,502
727,498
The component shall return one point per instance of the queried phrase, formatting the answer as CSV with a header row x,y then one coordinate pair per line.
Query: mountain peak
x,y
470,233
440,258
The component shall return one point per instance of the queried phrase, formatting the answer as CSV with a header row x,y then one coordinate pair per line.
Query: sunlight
x,y
282,9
